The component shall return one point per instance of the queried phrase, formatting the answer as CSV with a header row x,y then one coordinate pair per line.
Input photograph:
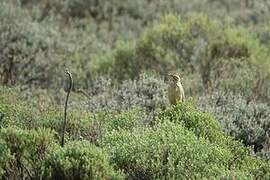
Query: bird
x,y
175,89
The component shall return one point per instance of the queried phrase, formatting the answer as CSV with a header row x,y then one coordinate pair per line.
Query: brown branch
x,y
84,93
66,105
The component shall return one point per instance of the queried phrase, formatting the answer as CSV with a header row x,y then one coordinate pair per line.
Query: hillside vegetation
x,y
119,123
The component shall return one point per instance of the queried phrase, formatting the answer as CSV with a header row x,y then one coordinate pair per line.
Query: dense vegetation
x,y
120,124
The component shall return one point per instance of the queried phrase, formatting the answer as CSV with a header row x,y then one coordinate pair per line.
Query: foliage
x,y
119,118
26,49
245,120
80,124
248,12
147,91
222,56
132,140
92,126
203,125
5,157
14,111
172,151
80,160
24,152
34,53
197,44
126,120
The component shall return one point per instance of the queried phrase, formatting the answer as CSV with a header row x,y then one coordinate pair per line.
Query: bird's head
x,y
174,78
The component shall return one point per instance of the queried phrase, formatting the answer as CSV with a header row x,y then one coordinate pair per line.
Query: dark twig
x,y
66,104
27,170
84,93
2,115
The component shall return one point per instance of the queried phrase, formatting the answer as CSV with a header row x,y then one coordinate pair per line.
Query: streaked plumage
x,y
175,89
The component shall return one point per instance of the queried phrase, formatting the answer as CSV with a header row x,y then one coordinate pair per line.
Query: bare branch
x,y
66,105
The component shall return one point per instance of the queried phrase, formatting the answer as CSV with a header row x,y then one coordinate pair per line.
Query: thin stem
x,y
66,106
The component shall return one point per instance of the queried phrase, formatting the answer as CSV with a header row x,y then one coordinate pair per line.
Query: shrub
x,y
252,13
147,92
5,157
203,125
171,151
127,120
28,150
26,49
226,57
93,126
197,44
79,124
14,111
80,160
245,120
194,43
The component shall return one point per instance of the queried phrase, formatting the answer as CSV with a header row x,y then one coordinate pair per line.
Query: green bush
x,y
119,53
14,111
203,125
81,124
93,126
172,151
24,152
5,157
225,56
127,120
183,143
80,160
